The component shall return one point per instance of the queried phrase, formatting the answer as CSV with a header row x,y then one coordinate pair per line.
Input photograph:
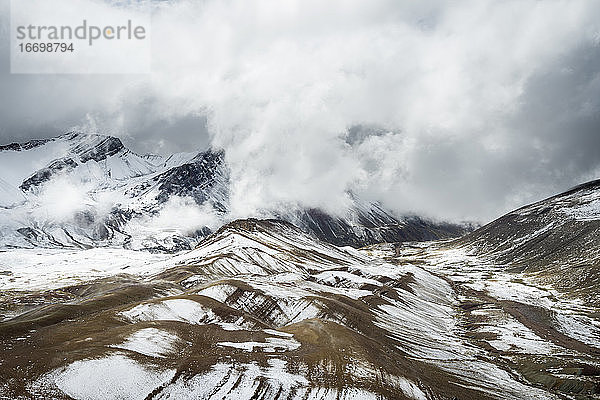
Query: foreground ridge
x,y
261,309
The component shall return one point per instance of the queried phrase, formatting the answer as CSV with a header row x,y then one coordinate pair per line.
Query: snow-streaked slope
x,y
259,310
44,269
10,195
526,325
555,239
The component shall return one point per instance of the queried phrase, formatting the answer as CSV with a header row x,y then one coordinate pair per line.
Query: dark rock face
x,y
45,174
196,179
113,223
29,233
24,146
107,147
377,228
85,218
92,147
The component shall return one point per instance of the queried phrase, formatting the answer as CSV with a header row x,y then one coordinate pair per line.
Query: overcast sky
x,y
454,110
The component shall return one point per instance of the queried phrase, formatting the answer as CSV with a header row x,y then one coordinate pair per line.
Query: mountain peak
x,y
15,146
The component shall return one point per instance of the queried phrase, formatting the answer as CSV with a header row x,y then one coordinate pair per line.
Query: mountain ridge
x,y
555,238
142,186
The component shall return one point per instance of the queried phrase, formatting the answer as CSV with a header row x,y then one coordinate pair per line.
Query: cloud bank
x,y
454,110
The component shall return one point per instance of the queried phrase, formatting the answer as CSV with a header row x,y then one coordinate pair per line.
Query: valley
x,y
263,310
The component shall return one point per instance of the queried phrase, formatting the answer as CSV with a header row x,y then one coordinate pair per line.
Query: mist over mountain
x,y
79,190
476,108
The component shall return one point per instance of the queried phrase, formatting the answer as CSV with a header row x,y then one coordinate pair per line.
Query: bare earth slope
x,y
557,240
259,310
263,310
529,285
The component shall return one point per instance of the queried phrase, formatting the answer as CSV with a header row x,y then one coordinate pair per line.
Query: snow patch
x,y
112,377
584,212
271,344
150,342
182,310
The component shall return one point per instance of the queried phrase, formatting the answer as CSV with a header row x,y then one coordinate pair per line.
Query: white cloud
x,y
60,198
481,114
178,215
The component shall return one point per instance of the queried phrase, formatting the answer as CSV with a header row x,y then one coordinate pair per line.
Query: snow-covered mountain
x,y
78,190
87,190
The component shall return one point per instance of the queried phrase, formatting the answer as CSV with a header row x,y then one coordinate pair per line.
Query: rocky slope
x,y
528,286
263,310
259,310
556,239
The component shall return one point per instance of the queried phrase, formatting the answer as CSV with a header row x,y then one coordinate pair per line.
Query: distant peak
x,y
25,145
95,147
75,134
